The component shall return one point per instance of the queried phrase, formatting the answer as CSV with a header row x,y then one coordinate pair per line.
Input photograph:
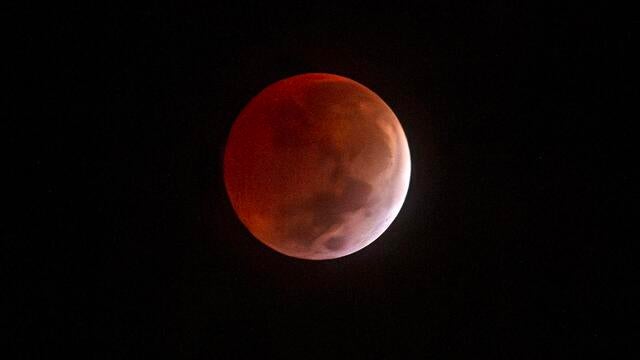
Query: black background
x,y
510,242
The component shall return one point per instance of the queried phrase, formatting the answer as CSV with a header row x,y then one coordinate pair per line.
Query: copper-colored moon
x,y
317,166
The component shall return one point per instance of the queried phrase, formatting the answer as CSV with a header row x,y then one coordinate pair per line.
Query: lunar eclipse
x,y
317,166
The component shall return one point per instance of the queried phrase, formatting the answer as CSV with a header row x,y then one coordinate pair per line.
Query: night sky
x,y
509,244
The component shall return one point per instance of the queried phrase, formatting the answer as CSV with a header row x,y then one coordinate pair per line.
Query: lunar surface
x,y
317,166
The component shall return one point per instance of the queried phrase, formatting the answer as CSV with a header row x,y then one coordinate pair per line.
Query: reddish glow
x,y
316,166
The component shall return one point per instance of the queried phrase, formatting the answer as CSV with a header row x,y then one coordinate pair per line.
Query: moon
x,y
317,166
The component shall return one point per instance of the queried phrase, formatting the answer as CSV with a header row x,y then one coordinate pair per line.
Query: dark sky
x,y
507,245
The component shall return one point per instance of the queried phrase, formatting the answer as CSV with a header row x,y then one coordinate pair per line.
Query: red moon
x,y
317,166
